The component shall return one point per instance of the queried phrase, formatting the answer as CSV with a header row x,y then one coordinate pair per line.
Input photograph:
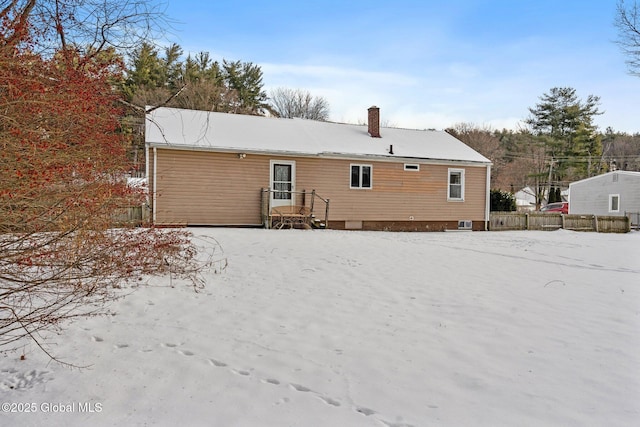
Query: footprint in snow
x,y
296,387
96,339
12,379
301,388
365,411
283,400
217,363
329,401
388,424
186,352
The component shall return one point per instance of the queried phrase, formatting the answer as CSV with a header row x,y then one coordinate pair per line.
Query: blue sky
x,y
426,64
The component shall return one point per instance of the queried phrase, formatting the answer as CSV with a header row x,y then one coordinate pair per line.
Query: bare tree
x,y
63,251
89,25
621,151
483,140
290,103
627,22
527,167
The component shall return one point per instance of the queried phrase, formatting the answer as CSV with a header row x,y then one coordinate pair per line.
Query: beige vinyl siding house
x,y
211,169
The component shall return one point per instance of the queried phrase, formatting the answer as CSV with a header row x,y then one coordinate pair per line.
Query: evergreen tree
x,y
551,197
501,201
147,70
246,79
587,152
173,66
197,83
565,123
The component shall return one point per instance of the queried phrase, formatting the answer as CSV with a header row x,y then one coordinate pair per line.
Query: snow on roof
x,y
605,175
192,129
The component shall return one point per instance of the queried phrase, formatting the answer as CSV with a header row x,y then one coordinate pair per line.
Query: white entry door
x,y
283,178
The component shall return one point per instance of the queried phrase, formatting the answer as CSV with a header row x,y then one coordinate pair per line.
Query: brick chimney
x,y
374,122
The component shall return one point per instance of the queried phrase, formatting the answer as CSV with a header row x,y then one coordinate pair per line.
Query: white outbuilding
x,y
614,193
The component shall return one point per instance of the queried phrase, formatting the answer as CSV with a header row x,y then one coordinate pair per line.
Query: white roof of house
x,y
525,197
604,175
191,129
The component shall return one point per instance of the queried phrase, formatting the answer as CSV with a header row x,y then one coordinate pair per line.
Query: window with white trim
x,y
411,167
614,203
361,176
456,184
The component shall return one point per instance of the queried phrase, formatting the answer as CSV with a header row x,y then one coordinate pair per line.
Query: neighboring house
x,y
611,194
208,168
525,200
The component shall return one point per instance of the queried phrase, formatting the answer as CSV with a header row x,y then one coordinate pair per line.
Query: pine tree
x,y
173,67
563,121
245,79
147,70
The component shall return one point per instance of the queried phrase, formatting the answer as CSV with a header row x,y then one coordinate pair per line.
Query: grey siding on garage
x,y
591,196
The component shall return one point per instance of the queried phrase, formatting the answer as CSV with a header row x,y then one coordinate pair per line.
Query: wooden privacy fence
x,y
500,221
133,215
634,219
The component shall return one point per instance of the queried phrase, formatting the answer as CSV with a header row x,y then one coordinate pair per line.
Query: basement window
x,y
361,176
411,167
465,224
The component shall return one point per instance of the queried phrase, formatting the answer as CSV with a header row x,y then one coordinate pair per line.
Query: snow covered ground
x,y
331,328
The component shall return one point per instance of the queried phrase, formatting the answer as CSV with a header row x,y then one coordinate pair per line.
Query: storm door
x,y
282,182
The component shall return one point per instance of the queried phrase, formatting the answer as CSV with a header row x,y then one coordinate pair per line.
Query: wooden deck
x,y
303,211
290,217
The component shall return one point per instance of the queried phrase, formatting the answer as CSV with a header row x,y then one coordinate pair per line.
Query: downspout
x,y
155,185
487,199
146,163
147,198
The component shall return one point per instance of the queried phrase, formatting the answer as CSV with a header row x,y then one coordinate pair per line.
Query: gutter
x,y
326,155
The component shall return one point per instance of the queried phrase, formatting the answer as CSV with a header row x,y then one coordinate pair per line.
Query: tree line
x,y
165,77
557,144
155,76
196,82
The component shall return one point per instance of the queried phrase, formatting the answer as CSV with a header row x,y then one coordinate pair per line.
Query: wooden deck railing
x,y
304,209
